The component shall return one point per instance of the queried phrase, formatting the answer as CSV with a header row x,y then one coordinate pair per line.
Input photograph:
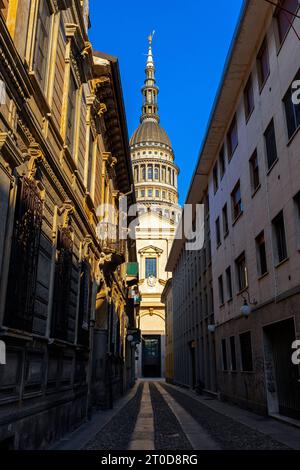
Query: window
x,y
297,208
150,172
156,172
254,172
216,178
163,174
229,283
263,66
157,193
225,220
232,354
42,42
261,254
72,99
222,162
218,232
224,355
232,138
142,193
285,17
246,352
241,272
62,284
85,302
271,147
164,194
292,110
249,98
221,290
151,267
236,198
279,237
150,192
136,174
143,172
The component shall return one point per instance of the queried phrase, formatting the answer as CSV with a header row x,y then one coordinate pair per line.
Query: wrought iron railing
x,y
22,277
62,287
112,238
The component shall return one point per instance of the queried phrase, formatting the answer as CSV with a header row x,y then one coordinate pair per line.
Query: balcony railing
x,y
111,239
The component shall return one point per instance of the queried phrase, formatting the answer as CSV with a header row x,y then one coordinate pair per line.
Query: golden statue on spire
x,y
150,37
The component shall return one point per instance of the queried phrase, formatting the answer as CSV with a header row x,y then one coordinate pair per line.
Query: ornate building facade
x,y
155,176
64,299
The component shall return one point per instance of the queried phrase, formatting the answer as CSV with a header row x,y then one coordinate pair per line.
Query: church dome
x,y
150,131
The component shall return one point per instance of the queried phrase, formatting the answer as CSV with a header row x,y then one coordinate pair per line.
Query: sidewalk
x,y
79,438
279,431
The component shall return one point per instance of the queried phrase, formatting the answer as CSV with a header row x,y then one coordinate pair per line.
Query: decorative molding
x,y
10,151
61,5
97,83
87,245
66,211
75,67
151,250
86,50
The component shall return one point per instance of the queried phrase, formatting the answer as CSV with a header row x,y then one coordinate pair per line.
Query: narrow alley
x,y
162,417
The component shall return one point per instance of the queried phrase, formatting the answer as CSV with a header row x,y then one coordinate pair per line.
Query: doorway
x,y
282,375
151,356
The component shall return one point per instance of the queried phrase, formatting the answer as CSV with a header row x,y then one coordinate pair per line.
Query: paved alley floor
x,y
158,416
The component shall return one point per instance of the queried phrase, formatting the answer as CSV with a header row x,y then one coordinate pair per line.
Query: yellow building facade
x,y
156,178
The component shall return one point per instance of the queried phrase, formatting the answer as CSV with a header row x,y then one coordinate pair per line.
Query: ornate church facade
x,y
155,177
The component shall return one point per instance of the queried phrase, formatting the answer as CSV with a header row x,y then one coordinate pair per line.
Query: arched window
x,y
150,172
169,175
163,174
143,172
136,173
156,172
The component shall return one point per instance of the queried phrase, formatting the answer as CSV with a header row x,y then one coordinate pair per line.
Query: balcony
x,y
113,246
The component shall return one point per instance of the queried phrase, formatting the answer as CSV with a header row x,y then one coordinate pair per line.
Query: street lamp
x,y
246,308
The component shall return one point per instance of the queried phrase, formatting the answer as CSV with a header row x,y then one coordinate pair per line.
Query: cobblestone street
x,y
157,416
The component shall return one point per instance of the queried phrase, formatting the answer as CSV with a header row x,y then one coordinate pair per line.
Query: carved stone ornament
x,y
151,281
66,211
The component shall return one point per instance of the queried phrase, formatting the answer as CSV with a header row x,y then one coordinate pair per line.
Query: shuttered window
x,y
42,42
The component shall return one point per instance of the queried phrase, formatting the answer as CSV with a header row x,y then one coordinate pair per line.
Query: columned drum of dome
x,y
156,183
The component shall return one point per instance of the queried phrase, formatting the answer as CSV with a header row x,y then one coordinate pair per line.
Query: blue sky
x,y
190,48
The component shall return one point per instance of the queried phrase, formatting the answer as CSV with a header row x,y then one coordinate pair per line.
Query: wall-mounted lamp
x,y
246,309
130,338
211,328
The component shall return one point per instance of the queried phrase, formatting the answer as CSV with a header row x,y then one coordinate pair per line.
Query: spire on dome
x,y
150,90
